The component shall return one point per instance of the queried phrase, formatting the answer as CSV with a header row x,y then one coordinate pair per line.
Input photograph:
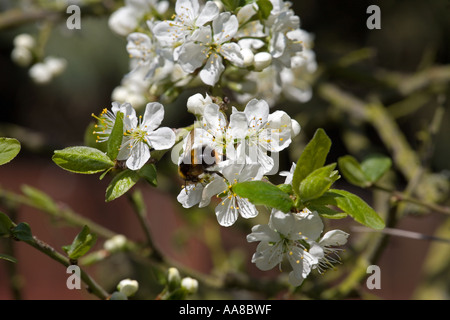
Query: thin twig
x,y
401,233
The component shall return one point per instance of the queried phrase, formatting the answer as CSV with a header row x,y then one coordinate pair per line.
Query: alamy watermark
x,y
74,20
74,280
374,20
374,280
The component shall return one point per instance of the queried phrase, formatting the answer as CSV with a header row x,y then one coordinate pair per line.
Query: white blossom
x,y
197,103
24,40
107,118
40,73
149,55
142,134
326,251
189,284
128,287
295,237
22,56
126,19
207,47
232,205
188,18
265,132
285,237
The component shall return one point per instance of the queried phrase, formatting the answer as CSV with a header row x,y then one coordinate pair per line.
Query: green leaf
x,y
82,243
40,199
5,225
22,232
121,183
313,157
8,258
375,167
354,206
231,5
286,188
327,212
352,171
85,160
264,193
116,137
9,148
148,172
318,182
264,8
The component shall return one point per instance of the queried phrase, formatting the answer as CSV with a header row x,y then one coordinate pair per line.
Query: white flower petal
x,y
161,139
209,13
294,279
139,45
310,226
282,222
139,155
238,125
210,74
257,112
250,172
215,121
187,9
190,195
262,232
232,52
153,116
295,257
334,238
226,212
225,27
267,256
247,209
213,188
191,57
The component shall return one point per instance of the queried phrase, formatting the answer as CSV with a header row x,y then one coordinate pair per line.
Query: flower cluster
x,y
242,143
25,54
212,44
140,134
296,237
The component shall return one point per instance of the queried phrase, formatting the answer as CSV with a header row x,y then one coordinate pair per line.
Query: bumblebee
x,y
197,161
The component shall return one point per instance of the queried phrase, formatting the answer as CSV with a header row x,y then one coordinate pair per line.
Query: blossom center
x,y
137,135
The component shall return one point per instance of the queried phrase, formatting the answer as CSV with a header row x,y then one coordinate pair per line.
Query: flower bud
x,y
22,56
120,93
262,60
196,103
173,279
116,243
248,56
128,287
123,21
55,65
24,40
40,73
190,285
